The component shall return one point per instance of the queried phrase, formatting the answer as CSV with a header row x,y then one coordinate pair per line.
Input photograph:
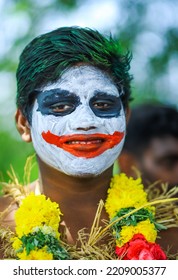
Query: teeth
x,y
85,142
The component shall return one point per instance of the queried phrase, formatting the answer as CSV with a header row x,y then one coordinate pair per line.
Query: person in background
x,y
151,148
151,144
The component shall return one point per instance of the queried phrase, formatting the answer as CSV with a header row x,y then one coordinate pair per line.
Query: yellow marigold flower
x,y
40,254
124,192
17,243
148,230
34,211
145,227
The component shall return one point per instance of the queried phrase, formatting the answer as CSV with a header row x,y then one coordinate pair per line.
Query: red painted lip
x,y
84,145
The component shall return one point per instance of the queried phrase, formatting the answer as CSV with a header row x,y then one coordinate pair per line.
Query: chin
x,y
90,167
89,172
82,167
77,172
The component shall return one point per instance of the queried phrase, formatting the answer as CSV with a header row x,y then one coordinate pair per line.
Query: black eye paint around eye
x,y
57,102
105,106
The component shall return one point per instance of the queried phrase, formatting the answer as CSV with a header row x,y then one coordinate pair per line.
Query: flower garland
x,y
134,225
37,222
131,218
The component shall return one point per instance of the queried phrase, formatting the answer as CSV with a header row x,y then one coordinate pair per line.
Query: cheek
x,y
115,124
41,123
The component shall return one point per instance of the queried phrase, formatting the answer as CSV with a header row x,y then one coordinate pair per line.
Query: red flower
x,y
138,248
157,252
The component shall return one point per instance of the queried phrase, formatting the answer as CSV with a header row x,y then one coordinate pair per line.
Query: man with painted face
x,y
73,89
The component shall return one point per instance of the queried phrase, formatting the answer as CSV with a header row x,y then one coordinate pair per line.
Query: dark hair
x,y
149,121
46,57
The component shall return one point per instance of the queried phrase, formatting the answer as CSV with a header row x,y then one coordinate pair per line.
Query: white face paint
x,y
87,146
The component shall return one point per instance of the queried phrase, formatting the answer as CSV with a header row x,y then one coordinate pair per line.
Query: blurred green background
x,y
149,28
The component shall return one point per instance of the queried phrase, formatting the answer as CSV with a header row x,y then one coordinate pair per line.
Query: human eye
x,y
57,102
103,104
61,107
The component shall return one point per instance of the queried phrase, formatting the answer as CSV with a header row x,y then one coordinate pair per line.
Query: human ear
x,y
23,126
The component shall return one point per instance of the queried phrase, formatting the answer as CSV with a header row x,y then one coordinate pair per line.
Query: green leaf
x,y
37,240
133,219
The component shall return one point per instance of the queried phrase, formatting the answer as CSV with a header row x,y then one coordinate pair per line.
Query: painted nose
x,y
85,120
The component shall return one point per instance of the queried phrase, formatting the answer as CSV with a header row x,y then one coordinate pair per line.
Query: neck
x,y
78,197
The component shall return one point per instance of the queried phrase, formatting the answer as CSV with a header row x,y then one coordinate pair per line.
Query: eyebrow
x,y
48,96
56,90
101,92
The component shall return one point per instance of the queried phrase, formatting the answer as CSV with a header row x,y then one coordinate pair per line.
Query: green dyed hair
x,y
46,57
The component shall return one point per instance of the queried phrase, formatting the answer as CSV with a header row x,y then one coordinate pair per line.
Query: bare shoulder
x,y
4,202
7,210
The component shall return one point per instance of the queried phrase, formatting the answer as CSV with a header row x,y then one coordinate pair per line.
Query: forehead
x,y
84,79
